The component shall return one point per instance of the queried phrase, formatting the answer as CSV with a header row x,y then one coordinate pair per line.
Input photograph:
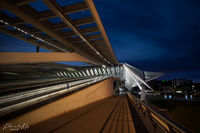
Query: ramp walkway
x,y
109,115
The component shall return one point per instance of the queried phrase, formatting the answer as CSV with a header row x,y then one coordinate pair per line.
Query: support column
x,y
142,97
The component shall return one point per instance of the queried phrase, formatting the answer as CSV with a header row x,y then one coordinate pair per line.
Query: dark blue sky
x,y
156,35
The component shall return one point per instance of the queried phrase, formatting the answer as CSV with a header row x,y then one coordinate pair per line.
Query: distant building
x,y
167,89
181,82
163,85
176,86
180,85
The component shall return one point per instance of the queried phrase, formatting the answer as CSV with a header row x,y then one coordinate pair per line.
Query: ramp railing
x,y
154,121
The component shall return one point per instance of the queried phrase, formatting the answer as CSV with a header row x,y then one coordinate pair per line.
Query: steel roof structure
x,y
81,39
68,35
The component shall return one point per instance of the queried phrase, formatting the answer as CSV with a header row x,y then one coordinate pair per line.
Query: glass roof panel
x,y
43,33
29,25
68,2
87,25
10,28
74,36
93,33
95,39
80,14
26,35
66,29
39,6
55,20
8,13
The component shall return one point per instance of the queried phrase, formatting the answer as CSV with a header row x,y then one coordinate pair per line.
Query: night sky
x,y
157,35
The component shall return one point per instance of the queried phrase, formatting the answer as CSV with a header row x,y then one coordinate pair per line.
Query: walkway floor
x,y
109,115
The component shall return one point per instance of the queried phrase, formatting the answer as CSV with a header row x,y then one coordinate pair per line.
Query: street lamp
x,y
192,87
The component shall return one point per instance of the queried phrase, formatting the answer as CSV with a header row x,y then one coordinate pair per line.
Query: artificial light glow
x,y
138,77
4,22
136,81
32,35
61,74
58,74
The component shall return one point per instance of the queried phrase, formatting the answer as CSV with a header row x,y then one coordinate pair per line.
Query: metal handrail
x,y
48,95
170,122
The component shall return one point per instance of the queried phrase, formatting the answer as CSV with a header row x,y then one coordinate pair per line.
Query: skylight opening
x,y
26,35
43,33
29,25
93,33
68,2
66,29
87,25
10,28
96,39
80,14
8,13
39,6
74,36
55,20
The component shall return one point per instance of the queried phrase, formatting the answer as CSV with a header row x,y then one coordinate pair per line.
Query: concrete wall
x,y
76,100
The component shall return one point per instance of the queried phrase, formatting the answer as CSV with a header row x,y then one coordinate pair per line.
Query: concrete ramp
x,y
108,115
